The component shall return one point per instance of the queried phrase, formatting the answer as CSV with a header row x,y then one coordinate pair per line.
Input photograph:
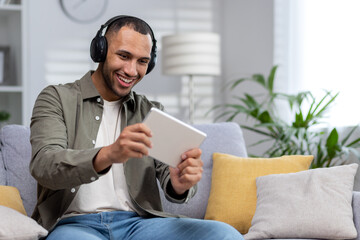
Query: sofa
x,y
15,152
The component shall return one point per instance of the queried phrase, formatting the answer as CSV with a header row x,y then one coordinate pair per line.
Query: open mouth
x,y
126,82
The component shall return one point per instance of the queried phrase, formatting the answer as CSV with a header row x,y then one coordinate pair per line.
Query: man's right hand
x,y
133,142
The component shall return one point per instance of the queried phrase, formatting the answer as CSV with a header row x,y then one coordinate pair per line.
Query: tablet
x,y
171,137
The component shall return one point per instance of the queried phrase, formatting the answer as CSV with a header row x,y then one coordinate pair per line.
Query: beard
x,y
110,82
115,83
107,80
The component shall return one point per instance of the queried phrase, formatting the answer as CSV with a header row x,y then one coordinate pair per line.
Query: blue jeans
x,y
128,225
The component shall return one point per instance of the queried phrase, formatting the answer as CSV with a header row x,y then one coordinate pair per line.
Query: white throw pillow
x,y
309,204
17,226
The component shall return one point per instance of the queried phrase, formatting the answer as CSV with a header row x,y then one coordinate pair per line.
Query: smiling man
x,y
90,151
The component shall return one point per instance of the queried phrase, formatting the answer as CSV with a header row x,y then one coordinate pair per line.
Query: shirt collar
x,y
87,87
130,101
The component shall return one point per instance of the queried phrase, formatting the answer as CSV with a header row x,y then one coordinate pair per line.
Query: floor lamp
x,y
191,54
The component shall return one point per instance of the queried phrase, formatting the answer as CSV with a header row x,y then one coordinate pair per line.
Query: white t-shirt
x,y
109,192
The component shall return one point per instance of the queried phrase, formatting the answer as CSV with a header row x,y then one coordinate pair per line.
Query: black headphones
x,y
99,46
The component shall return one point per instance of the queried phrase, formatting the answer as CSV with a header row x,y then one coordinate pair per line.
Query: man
x,y
89,151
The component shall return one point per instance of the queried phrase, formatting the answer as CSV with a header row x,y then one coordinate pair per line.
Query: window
x,y
317,47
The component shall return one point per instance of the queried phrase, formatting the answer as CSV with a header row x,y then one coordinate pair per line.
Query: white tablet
x,y
171,137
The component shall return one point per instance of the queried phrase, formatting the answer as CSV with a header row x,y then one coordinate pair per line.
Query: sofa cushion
x,y
19,227
221,137
10,197
310,204
233,188
16,154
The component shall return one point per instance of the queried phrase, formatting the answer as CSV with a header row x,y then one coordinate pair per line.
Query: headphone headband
x,y
99,45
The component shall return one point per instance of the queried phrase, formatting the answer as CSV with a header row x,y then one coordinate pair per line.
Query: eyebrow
x,y
129,53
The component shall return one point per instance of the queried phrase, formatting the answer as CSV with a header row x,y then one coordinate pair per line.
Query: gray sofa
x,y
222,137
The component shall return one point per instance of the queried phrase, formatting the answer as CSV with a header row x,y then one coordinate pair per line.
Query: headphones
x,y
99,45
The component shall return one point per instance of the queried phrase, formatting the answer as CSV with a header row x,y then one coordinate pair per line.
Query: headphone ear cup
x,y
98,49
152,62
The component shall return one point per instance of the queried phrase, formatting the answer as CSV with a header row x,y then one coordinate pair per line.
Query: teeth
x,y
125,80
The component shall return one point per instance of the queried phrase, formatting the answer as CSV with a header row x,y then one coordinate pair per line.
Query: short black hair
x,y
137,24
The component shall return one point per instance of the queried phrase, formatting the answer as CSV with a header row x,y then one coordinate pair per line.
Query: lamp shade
x,y
191,54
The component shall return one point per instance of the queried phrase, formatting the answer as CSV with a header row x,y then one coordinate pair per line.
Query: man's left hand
x,y
188,172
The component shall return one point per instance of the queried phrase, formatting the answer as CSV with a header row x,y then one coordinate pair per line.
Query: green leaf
x,y
299,122
256,130
260,142
237,82
265,117
4,116
349,135
250,102
353,143
326,105
331,143
271,79
332,138
258,78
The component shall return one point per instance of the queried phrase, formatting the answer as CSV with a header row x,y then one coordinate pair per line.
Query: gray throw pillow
x,y
17,226
309,204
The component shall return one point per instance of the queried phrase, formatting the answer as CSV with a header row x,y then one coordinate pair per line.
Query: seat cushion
x,y
221,137
16,154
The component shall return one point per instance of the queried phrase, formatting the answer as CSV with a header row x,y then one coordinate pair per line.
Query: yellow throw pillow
x,y
233,186
10,197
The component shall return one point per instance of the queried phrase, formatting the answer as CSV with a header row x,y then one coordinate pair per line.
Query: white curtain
x,y
317,47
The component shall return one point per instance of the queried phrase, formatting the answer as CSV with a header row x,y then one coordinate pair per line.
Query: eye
x,y
144,61
123,56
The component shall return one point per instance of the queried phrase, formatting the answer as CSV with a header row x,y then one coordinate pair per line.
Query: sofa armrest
x,y
2,168
16,156
356,212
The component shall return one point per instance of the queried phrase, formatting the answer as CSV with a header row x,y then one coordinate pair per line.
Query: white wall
x,y
247,45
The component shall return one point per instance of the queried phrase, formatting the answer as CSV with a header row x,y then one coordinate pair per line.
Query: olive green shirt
x,y
64,127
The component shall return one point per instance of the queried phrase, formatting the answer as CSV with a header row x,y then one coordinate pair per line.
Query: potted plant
x,y
303,134
4,116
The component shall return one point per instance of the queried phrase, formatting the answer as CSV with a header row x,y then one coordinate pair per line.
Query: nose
x,y
130,68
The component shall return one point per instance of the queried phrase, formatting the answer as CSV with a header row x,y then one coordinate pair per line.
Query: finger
x,y
140,127
191,171
139,137
192,153
190,179
132,147
190,162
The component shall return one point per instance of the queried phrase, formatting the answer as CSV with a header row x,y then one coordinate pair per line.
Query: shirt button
x,y
97,118
92,178
98,100
93,141
72,190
